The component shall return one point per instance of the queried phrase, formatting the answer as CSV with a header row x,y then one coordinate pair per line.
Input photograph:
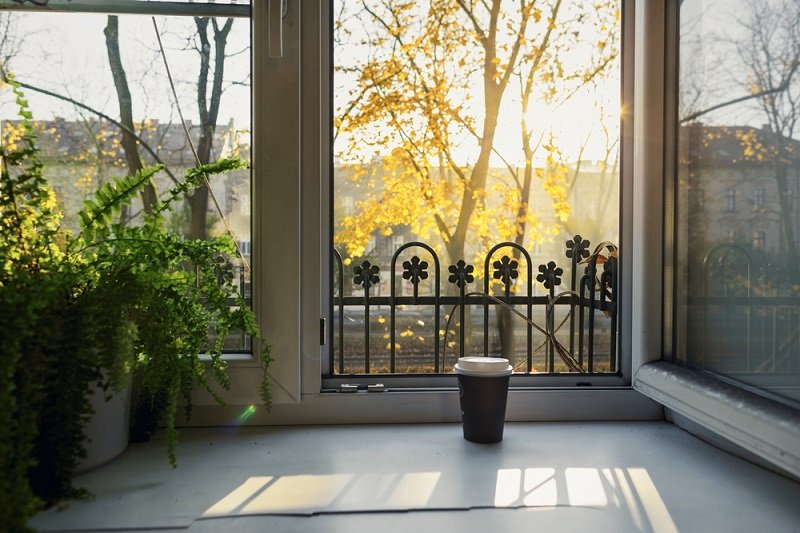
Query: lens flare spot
x,y
247,413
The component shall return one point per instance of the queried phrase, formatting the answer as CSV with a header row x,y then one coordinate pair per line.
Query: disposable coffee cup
x,y
483,391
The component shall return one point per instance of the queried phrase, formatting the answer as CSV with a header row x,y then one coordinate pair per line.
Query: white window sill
x,y
430,406
760,426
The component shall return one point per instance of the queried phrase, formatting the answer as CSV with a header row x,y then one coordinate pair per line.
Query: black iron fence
x,y
232,270
743,313
562,328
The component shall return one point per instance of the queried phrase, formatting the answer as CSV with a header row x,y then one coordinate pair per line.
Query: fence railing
x,y
744,314
565,322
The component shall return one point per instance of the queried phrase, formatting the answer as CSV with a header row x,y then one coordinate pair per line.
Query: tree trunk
x,y
789,244
129,144
208,106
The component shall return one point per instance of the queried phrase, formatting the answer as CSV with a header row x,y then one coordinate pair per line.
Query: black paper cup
x,y
483,391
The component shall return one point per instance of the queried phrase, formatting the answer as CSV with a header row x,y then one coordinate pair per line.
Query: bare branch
x,y
100,114
471,14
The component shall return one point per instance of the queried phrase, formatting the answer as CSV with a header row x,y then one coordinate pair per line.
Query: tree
x,y
209,39
10,40
766,48
771,57
129,142
208,101
412,100
429,81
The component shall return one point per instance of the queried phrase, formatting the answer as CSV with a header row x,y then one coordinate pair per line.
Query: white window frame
x,y
291,180
291,167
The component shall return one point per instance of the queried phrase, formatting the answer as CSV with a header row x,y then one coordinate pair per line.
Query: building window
x,y
759,240
730,200
759,198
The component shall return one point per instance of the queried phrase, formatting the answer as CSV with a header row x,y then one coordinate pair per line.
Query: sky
x,y
574,123
66,53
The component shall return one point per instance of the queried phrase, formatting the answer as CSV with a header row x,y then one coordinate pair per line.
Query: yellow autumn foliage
x,y
400,132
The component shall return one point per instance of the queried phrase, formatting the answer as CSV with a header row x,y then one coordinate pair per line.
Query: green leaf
x,y
109,199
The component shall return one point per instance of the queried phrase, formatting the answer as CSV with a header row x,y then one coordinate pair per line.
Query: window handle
x,y
278,9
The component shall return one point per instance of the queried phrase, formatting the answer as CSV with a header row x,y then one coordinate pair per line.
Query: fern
x,y
113,300
99,211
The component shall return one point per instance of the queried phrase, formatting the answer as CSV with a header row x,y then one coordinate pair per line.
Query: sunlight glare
x,y
585,488
238,496
654,506
304,493
536,488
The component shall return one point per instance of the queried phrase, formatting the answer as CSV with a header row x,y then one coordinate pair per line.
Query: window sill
x,y
435,406
767,429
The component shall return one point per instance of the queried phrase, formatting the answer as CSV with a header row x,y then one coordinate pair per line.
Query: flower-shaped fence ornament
x,y
578,248
461,274
506,270
366,275
549,275
415,270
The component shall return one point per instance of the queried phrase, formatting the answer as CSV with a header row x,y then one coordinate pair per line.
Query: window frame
x,y
295,221
619,378
239,363
291,199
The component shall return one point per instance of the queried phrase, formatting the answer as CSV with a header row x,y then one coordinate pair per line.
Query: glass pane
x,y
462,130
240,2
739,173
103,107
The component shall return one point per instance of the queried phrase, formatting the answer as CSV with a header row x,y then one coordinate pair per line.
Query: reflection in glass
x,y
738,168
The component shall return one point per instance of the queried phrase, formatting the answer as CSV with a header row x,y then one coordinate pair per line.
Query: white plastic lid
x,y
483,366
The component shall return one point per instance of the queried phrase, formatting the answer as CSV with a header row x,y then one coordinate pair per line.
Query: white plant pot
x,y
107,429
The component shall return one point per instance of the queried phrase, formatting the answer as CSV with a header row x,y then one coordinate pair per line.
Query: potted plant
x,y
113,301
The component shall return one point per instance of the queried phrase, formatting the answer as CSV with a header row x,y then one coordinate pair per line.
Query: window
x,y
244,246
759,198
698,198
730,200
102,104
739,311
455,166
759,240
294,163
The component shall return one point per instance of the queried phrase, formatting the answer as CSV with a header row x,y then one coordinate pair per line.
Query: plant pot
x,y
107,429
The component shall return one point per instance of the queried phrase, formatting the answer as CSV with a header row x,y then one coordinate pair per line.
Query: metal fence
x,y
567,320
744,315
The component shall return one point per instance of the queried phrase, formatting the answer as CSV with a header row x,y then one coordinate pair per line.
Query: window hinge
x,y
322,331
